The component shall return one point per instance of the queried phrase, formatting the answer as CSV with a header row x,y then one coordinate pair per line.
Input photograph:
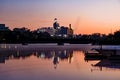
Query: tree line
x,y
24,35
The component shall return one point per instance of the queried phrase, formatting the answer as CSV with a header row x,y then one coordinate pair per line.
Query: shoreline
x,y
43,46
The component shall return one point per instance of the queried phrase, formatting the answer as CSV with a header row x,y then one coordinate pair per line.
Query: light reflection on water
x,y
19,62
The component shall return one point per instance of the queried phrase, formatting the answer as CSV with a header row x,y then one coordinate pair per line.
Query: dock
x,y
94,56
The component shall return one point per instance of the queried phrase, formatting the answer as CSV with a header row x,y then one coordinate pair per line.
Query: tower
x,y
70,26
70,30
55,24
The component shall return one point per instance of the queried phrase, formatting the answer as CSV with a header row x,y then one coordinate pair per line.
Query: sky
x,y
86,16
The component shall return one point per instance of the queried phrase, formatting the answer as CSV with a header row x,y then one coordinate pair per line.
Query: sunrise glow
x,y
86,16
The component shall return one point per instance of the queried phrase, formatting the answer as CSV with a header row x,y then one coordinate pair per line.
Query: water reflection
x,y
110,64
56,62
55,55
105,64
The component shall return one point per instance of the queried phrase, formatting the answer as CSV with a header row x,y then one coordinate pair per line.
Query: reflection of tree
x,y
8,55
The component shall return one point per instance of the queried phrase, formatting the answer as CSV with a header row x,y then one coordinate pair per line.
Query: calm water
x,y
51,62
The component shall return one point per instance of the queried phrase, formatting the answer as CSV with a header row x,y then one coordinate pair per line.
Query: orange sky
x,y
80,26
86,16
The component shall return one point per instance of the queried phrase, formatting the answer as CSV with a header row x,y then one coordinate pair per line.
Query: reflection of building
x,y
55,60
47,54
70,57
56,55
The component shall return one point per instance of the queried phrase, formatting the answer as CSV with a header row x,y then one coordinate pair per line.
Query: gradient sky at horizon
x,y
86,16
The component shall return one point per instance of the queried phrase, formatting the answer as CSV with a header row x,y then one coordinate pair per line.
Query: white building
x,y
50,30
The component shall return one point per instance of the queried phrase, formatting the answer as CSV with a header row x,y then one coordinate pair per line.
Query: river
x,y
53,62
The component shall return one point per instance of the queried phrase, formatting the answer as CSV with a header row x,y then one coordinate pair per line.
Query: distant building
x,y
62,31
3,27
57,30
50,30
56,24
70,30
